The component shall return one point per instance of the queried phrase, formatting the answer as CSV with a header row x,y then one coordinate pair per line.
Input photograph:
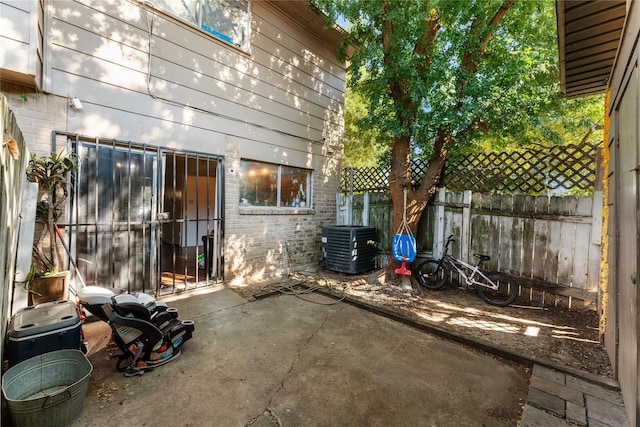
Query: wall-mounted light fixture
x,y
75,104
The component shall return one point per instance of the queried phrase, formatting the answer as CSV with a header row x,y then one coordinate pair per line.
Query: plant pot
x,y
49,288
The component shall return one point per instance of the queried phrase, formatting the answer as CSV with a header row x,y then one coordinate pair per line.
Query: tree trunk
x,y
418,199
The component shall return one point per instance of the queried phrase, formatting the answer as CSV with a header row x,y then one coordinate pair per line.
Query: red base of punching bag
x,y
403,269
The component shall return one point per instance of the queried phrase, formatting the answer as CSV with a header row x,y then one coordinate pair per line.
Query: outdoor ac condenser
x,y
345,248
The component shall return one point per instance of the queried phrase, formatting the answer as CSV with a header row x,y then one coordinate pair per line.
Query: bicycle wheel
x,y
505,294
431,274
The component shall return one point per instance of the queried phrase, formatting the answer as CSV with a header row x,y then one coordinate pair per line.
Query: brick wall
x,y
262,243
37,115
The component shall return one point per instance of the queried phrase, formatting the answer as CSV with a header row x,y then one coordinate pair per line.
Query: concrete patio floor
x,y
284,361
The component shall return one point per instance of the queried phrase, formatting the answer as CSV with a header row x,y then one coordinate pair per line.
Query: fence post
x,y
596,219
465,239
438,229
344,209
365,209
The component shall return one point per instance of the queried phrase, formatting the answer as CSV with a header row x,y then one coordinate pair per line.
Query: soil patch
x,y
557,335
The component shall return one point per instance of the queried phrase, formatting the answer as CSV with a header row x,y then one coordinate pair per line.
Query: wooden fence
x,y
13,162
550,245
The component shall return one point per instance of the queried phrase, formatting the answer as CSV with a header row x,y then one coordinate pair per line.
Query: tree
x,y
441,73
365,144
574,121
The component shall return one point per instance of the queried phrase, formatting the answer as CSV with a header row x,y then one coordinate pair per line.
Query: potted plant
x,y
46,282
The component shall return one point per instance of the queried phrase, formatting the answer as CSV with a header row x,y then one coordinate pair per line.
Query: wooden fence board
x,y
528,235
553,249
581,251
542,205
516,235
540,254
540,238
566,257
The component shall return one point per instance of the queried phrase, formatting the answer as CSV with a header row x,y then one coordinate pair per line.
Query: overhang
x,y
588,37
311,18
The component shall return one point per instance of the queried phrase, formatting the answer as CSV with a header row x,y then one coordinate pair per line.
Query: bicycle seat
x,y
482,257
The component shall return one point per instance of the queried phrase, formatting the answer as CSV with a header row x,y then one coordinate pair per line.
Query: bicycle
x,y
493,287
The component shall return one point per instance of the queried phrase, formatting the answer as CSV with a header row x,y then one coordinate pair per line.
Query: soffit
x,y
588,36
302,12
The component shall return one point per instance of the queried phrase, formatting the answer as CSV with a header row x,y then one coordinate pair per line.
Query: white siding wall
x,y
147,77
20,41
190,84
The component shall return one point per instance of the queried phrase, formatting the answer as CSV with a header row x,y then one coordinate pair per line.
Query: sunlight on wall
x,y
96,124
248,264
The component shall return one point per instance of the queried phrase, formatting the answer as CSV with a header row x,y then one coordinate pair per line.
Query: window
x,y
228,20
265,184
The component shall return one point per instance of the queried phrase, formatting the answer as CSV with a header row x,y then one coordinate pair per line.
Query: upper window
x,y
266,184
228,20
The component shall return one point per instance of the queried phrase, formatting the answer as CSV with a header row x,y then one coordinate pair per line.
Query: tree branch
x,y
425,44
471,61
436,164
397,86
387,31
495,22
591,130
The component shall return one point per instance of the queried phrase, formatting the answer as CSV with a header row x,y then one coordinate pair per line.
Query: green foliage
x,y
573,121
365,144
51,174
505,92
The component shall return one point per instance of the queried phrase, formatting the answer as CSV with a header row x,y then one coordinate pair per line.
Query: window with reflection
x,y
266,184
227,20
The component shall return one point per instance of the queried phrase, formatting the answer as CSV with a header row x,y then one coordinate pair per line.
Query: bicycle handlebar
x,y
446,244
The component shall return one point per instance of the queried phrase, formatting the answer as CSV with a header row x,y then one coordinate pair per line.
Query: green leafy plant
x,y
51,173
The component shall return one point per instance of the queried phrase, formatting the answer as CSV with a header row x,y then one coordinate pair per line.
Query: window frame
x,y
302,198
199,21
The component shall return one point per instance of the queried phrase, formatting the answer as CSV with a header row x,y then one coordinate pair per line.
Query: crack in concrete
x,y
221,310
269,410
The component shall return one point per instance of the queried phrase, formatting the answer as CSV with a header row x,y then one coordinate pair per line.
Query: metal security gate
x,y
141,218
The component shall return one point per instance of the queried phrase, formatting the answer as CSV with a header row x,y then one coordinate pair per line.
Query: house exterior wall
x,y
21,29
147,77
623,317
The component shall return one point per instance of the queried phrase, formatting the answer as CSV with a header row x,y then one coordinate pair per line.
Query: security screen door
x,y
116,233
143,219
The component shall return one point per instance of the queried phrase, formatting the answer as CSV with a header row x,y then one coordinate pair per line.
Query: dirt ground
x,y
561,336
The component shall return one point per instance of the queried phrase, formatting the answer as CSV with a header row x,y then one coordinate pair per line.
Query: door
x,y
114,212
191,249
145,219
627,268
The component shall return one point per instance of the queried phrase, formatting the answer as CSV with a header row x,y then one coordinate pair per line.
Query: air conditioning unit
x,y
345,248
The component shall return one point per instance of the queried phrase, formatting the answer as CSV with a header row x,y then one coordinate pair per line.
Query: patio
x,y
286,361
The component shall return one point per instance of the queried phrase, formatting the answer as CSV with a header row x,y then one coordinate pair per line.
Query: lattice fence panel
x,y
532,171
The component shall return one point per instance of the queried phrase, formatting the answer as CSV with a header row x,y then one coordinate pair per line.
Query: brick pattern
x,y
260,243
37,115
559,399
263,243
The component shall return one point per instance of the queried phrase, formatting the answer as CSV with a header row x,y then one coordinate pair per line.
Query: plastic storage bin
x,y
47,390
42,328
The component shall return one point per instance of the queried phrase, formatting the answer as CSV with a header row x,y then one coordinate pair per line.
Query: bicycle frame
x,y
462,267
